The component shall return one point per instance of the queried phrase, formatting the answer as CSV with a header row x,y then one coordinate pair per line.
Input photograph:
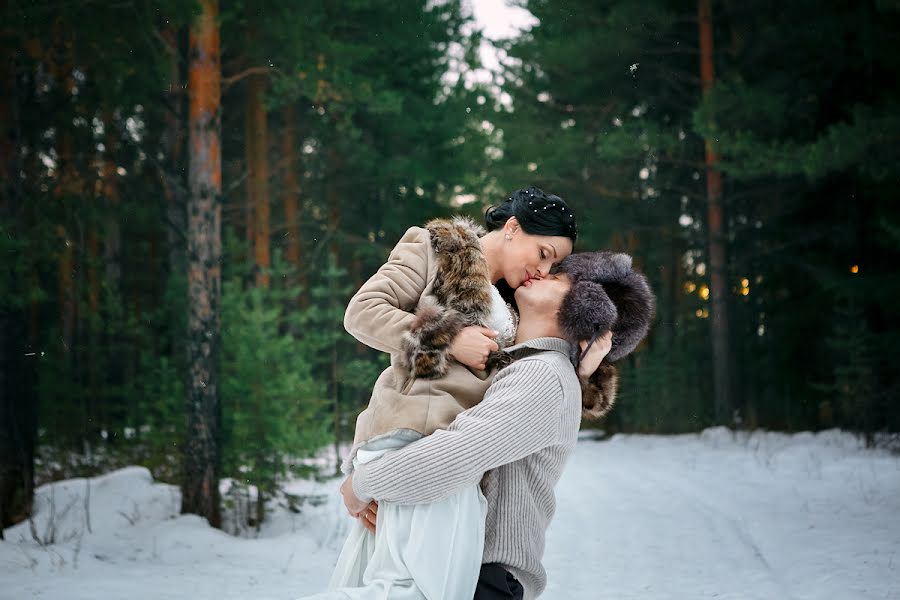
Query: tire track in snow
x,y
717,518
653,538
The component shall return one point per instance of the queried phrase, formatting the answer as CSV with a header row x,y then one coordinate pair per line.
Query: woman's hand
x,y
472,345
593,358
369,517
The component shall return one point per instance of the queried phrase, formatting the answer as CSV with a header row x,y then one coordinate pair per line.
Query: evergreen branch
x,y
167,47
797,240
229,81
892,230
237,183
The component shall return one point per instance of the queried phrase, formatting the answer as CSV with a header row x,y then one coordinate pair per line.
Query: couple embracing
x,y
501,341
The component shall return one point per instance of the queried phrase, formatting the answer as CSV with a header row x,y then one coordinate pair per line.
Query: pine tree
x,y
200,487
602,95
18,424
275,410
853,389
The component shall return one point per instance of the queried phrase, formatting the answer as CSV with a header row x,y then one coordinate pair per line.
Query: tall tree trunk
x,y
202,465
258,165
116,368
249,153
18,425
334,215
67,186
67,304
292,196
718,275
18,420
173,170
113,234
92,330
93,251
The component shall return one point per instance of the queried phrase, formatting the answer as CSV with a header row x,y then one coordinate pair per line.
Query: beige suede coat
x,y
435,282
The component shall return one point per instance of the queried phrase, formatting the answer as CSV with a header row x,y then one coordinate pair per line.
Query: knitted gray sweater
x,y
518,439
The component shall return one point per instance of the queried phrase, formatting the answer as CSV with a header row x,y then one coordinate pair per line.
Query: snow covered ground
x,y
715,515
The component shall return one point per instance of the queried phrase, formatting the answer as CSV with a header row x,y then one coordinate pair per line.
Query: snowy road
x,y
714,515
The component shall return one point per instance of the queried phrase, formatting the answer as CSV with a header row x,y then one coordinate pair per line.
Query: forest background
x,y
191,192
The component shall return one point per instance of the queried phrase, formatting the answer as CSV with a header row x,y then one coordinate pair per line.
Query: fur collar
x,y
460,296
463,281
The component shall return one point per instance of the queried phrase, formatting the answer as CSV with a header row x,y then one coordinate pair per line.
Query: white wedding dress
x,y
419,551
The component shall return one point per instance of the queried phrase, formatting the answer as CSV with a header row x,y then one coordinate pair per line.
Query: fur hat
x,y
606,294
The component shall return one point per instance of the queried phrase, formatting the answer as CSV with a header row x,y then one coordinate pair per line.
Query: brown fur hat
x,y
607,293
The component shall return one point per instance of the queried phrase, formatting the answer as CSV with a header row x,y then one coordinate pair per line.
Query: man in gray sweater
x,y
515,442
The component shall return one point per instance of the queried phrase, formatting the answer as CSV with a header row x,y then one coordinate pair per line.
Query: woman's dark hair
x,y
537,212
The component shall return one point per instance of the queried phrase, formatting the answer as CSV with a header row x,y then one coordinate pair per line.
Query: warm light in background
x,y
689,287
854,269
704,292
745,282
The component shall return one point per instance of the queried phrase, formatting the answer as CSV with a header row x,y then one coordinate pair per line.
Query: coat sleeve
x,y
381,312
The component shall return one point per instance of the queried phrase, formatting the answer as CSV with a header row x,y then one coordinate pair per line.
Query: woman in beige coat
x,y
436,308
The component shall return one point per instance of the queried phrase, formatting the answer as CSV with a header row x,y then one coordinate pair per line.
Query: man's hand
x,y
593,358
472,345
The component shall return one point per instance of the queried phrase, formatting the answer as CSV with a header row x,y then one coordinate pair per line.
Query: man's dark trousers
x,y
496,583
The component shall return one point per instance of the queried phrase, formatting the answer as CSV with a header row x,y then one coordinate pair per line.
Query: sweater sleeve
x,y
381,311
520,415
